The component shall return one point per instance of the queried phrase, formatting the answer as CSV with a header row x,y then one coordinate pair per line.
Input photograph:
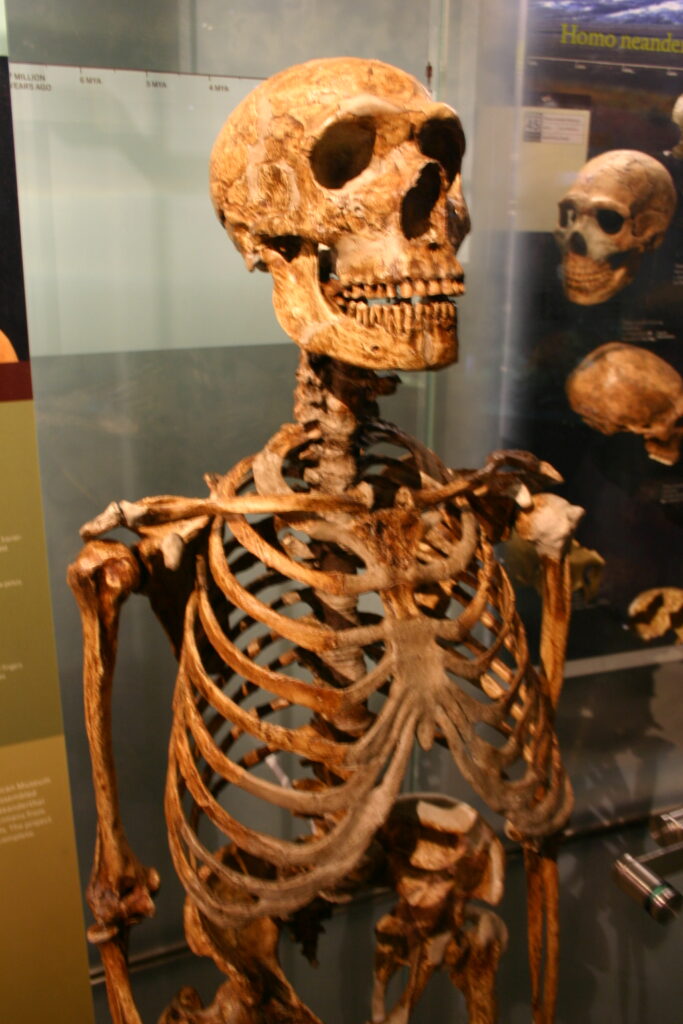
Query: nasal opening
x,y
577,244
420,200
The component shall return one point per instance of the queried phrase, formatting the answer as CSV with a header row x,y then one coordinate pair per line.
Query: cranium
x,y
621,387
342,178
619,207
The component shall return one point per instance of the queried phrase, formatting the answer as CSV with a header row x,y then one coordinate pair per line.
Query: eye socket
x,y
567,214
443,139
610,221
343,151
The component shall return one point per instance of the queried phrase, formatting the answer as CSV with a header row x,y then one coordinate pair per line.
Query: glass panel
x,y
586,93
158,358
122,248
3,30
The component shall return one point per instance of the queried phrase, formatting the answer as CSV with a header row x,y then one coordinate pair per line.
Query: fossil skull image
x,y
353,202
620,387
619,207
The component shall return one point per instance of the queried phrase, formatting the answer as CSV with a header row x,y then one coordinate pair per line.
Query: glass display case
x,y
155,358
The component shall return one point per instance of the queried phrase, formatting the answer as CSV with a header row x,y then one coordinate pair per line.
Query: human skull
x,y
620,387
619,207
342,178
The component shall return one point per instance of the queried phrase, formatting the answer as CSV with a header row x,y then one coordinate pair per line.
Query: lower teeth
x,y
402,315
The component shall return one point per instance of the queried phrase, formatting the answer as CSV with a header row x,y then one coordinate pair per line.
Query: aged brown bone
x,y
348,190
336,597
620,387
619,207
440,855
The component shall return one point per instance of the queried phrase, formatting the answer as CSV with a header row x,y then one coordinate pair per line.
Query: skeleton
x,y
619,387
619,207
336,596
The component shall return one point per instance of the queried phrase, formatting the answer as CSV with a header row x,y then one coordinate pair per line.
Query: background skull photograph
x,y
600,309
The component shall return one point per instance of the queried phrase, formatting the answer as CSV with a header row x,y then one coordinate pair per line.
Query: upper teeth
x,y
582,271
393,291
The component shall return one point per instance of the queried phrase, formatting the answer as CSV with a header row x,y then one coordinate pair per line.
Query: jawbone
x,y
381,334
588,282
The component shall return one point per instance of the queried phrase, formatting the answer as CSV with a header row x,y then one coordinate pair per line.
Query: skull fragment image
x,y
677,118
336,600
349,192
620,387
657,612
619,207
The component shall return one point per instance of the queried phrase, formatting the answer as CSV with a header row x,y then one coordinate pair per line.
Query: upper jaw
x,y
406,333
399,292
397,306
588,282
390,291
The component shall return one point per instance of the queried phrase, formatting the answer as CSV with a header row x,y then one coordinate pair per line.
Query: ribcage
x,y
316,651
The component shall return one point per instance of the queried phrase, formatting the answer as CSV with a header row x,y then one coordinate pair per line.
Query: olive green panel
x,y
29,690
43,967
